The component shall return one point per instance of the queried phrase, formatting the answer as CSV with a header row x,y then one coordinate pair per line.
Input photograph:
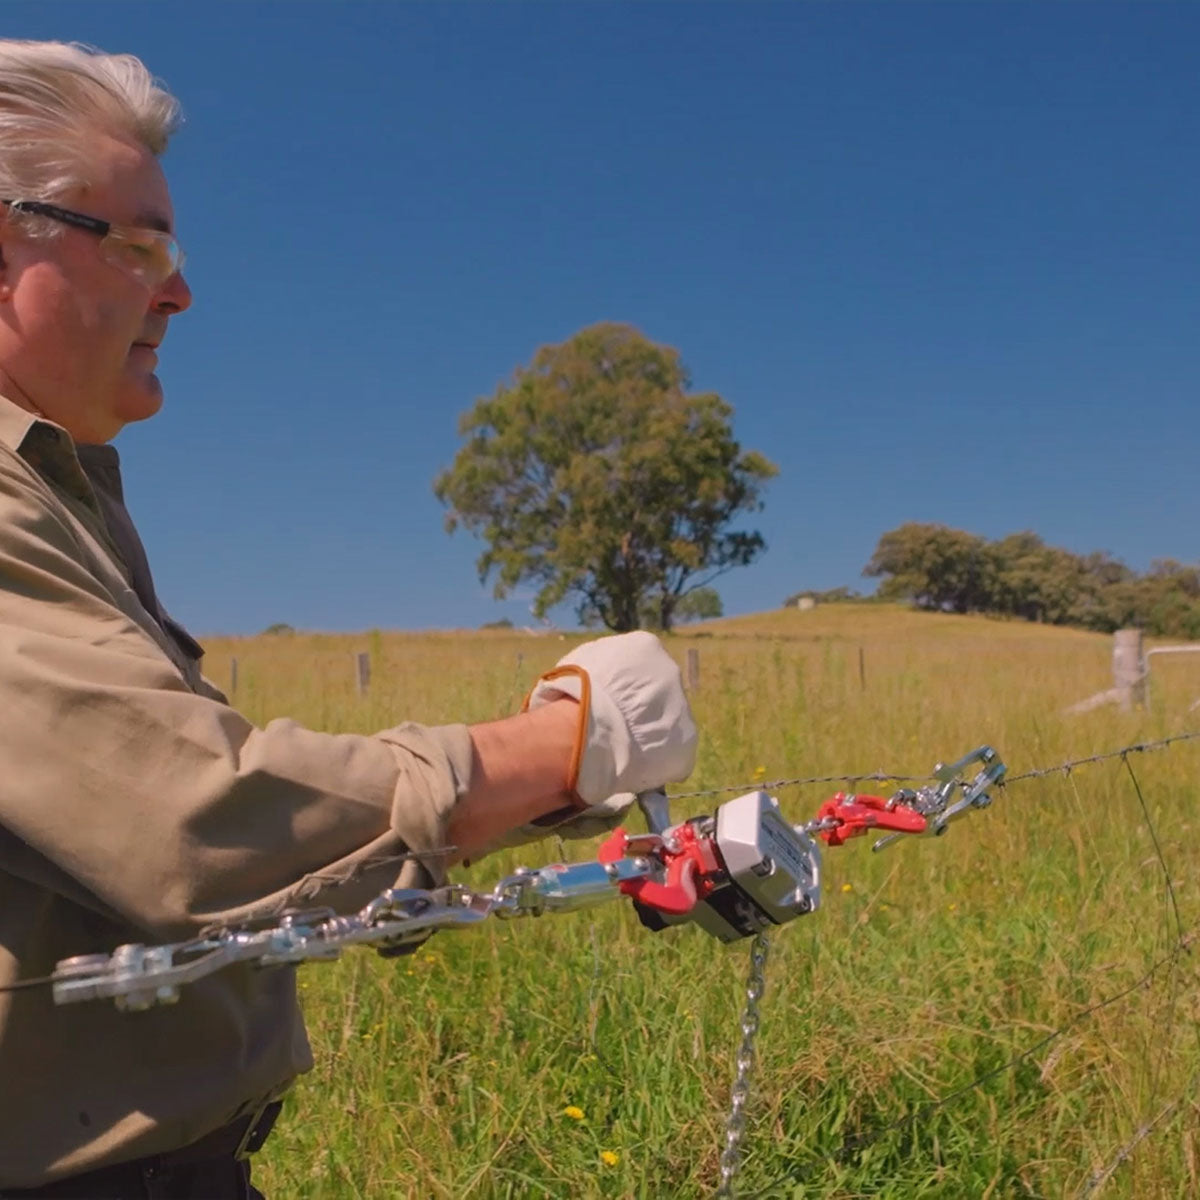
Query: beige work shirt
x,y
137,806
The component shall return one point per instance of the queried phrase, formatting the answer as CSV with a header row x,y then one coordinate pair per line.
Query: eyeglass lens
x,y
147,254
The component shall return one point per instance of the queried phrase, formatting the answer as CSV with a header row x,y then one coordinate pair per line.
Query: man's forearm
x,y
519,773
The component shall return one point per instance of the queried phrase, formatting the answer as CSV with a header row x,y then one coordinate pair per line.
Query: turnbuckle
x,y
937,804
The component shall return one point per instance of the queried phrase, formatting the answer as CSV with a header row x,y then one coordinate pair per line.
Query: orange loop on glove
x,y
585,708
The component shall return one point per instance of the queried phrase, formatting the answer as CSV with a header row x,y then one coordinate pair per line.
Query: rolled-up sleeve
x,y
132,794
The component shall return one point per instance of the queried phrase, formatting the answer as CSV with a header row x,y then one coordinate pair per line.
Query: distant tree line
x,y
949,570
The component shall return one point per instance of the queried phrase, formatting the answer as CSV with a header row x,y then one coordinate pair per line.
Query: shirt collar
x,y
46,447
15,423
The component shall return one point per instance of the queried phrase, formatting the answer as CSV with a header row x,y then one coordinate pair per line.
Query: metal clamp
x,y
937,804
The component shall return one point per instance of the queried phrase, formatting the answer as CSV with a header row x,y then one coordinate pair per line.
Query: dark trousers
x,y
217,1167
217,1179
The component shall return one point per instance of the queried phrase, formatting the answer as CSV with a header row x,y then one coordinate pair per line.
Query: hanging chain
x,y
735,1125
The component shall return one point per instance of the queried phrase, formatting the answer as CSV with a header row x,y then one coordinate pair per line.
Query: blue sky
x,y
941,259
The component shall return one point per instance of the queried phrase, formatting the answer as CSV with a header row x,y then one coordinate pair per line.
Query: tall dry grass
x,y
976,957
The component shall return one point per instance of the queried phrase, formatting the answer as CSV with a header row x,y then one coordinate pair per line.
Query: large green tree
x,y
596,475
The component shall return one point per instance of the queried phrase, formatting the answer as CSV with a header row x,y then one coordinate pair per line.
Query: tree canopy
x,y
1019,575
596,475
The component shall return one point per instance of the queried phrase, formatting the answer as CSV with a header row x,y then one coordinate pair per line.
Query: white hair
x,y
56,97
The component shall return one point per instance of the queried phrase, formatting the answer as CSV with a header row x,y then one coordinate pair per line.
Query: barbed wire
x,y
311,886
776,784
1067,767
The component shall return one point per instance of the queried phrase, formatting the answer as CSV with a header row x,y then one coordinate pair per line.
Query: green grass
x,y
932,965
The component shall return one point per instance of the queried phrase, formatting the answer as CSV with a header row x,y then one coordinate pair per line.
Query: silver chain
x,y
137,977
735,1124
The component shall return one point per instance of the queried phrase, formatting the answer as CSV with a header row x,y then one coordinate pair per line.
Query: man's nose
x,y
173,297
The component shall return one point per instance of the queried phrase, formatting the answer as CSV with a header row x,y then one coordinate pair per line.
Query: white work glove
x,y
636,731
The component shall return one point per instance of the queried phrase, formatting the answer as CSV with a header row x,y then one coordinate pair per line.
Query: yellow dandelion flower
x,y
952,907
574,1112
847,887
609,1158
759,772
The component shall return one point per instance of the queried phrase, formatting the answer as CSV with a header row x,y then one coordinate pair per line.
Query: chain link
x,y
735,1124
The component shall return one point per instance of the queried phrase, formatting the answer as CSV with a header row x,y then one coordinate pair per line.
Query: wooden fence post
x,y
233,676
362,671
1129,668
693,668
862,669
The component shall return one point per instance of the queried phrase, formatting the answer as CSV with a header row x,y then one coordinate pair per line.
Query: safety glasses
x,y
149,255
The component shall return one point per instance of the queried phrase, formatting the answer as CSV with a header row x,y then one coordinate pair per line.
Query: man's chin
x,y
140,402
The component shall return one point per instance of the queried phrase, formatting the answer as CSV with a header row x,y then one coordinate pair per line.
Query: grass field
x,y
580,1056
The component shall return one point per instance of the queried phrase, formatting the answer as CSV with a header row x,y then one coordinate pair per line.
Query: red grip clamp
x,y
688,871
857,814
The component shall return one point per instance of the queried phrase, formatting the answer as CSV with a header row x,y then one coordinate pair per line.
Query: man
x,y
135,804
